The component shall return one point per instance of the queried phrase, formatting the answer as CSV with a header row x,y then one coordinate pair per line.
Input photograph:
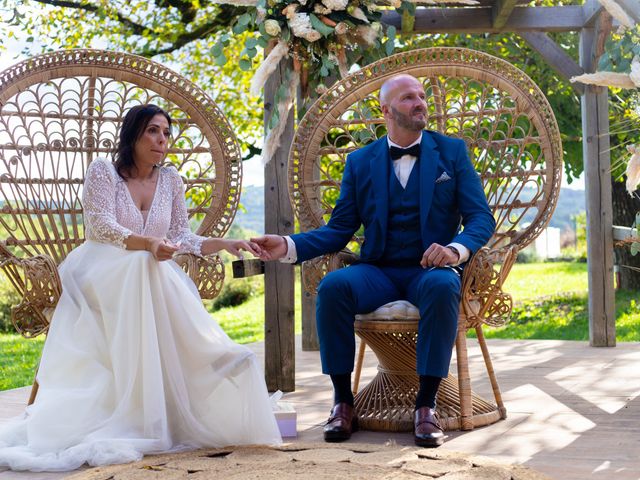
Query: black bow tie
x,y
396,152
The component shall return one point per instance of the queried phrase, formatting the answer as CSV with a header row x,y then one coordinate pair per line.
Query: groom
x,y
412,190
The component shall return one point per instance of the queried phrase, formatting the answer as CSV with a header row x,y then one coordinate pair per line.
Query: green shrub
x,y
236,292
528,255
573,254
8,298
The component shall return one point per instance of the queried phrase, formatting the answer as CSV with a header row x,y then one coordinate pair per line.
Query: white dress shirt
x,y
404,165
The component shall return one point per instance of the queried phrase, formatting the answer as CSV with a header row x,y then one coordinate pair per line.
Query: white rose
x,y
290,10
341,28
335,5
272,27
321,9
301,27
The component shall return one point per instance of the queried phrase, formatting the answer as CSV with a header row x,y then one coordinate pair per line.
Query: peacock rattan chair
x,y
58,112
514,142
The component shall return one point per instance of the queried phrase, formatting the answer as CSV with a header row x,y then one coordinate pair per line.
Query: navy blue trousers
x,y
362,288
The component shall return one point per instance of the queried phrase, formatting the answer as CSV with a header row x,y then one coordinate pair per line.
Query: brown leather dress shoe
x,y
428,432
342,422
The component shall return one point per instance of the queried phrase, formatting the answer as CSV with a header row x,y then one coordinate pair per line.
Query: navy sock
x,y
428,390
342,388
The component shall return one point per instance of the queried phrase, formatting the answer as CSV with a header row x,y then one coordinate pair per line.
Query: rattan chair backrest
x,y
59,111
508,125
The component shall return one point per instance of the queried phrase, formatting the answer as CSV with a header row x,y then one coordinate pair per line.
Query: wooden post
x,y
279,334
309,329
310,341
597,168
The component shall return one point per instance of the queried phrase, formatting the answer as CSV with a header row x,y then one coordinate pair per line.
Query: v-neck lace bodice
x,y
110,215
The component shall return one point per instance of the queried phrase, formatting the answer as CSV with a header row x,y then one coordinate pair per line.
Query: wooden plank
x,y
279,335
597,168
310,340
555,56
501,12
309,328
622,233
479,20
632,7
591,11
604,24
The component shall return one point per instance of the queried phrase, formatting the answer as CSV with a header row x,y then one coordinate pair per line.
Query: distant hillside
x,y
251,212
570,203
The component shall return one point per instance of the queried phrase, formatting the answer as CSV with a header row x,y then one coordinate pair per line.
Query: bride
x,y
133,363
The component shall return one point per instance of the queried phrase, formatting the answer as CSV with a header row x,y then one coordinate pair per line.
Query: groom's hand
x,y
273,247
439,256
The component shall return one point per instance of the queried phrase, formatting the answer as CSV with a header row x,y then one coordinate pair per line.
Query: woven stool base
x,y
387,403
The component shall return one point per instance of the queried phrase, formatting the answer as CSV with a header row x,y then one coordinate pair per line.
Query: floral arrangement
x,y
324,39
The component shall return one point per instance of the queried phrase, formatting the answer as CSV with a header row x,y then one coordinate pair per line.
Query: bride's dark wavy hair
x,y
133,126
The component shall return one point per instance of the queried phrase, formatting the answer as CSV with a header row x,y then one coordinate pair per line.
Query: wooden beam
x,y
591,11
555,56
310,341
622,233
597,168
632,7
279,334
479,20
501,12
604,24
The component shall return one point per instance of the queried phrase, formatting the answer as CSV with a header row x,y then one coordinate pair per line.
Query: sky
x,y
252,171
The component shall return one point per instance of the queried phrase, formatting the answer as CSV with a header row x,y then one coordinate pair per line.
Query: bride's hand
x,y
235,247
161,248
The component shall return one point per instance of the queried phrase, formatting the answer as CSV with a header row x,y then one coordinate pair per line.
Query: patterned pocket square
x,y
443,178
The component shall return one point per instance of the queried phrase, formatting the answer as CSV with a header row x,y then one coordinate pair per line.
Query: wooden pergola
x,y
593,24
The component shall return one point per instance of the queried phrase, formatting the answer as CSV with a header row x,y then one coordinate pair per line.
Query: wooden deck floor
x,y
573,410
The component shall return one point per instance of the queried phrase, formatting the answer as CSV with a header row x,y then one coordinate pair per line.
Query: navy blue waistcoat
x,y
403,245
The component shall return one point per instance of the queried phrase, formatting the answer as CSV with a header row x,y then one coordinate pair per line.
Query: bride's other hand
x,y
161,248
235,247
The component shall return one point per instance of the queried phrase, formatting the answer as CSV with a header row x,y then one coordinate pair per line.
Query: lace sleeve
x,y
99,203
179,230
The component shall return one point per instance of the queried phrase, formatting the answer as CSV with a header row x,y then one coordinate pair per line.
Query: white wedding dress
x,y
133,363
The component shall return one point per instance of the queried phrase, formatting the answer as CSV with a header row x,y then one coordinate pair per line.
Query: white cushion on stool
x,y
398,310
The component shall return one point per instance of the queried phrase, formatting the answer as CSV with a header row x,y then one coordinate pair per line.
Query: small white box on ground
x,y
286,418
285,415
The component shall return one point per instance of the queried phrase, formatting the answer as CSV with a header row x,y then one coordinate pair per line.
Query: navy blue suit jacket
x,y
445,206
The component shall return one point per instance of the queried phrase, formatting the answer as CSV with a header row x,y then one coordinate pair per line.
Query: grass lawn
x,y
550,303
245,323
18,360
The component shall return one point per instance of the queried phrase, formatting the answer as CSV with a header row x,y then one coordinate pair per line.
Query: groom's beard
x,y
410,122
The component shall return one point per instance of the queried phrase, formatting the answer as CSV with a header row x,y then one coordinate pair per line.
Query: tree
x,y
181,34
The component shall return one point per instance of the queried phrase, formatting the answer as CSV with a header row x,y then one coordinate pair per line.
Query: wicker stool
x,y
387,403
